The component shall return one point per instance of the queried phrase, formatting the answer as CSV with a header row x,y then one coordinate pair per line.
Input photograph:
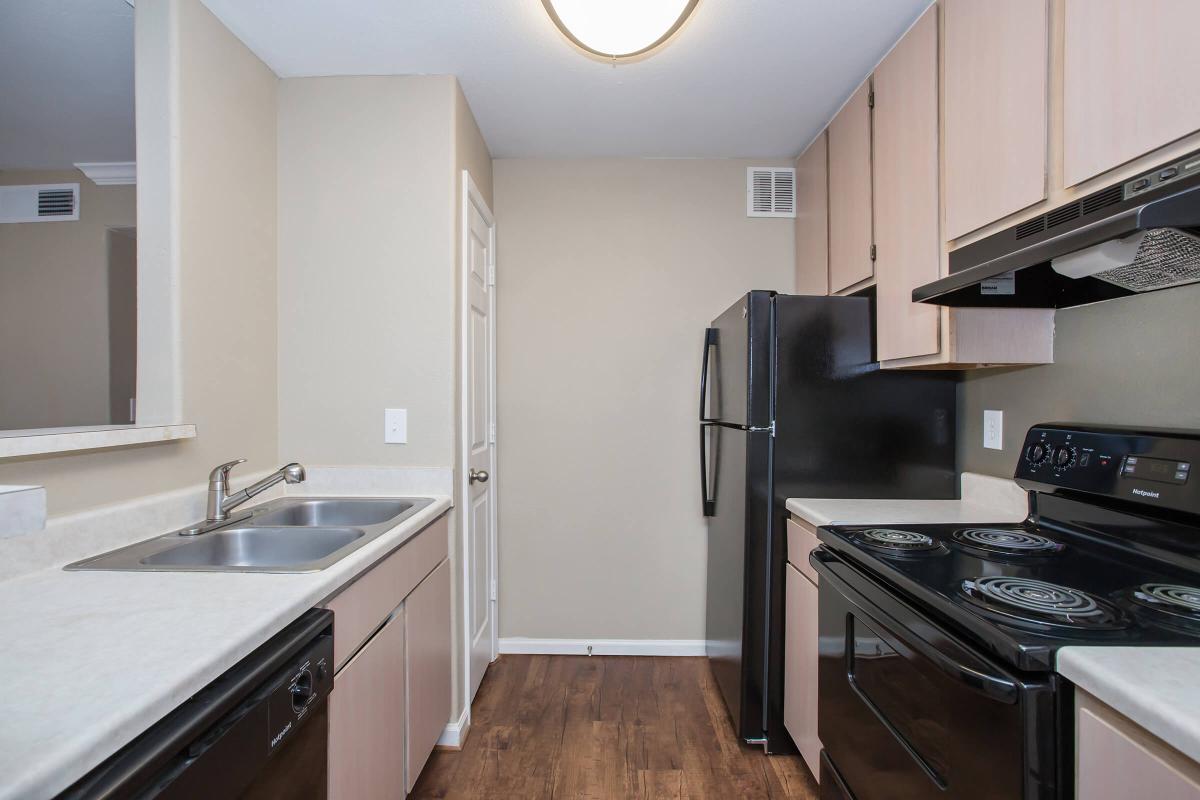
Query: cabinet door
x,y
812,219
907,238
1117,760
427,626
800,667
850,192
366,720
996,73
1127,81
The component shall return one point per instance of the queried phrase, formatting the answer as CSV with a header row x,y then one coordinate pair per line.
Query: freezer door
x,y
738,363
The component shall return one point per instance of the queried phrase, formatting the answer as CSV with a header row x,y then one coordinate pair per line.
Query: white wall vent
x,y
770,192
48,202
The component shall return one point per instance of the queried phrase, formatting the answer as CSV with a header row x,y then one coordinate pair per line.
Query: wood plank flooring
x,y
606,728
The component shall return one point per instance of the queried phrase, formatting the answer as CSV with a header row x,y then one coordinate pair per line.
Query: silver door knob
x,y
477,475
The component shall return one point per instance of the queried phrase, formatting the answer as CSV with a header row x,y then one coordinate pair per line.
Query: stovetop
x,y
1023,591
1110,553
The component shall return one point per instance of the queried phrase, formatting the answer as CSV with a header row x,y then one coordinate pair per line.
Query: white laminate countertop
x,y
92,659
1156,687
984,499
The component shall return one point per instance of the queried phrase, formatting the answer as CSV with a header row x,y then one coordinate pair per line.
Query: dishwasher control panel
x,y
299,688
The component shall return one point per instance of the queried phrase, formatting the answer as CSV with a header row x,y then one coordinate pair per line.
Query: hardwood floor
x,y
605,728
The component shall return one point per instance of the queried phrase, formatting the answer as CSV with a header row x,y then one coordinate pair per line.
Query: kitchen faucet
x,y
221,501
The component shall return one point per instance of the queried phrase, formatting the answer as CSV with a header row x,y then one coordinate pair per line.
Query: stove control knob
x,y
1064,457
1036,453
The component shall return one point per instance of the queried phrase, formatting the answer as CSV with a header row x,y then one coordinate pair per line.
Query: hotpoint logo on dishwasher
x,y
281,734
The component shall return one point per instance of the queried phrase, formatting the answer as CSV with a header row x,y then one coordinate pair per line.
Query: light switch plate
x,y
993,430
395,426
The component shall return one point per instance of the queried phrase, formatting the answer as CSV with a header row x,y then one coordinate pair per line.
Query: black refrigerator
x,y
792,404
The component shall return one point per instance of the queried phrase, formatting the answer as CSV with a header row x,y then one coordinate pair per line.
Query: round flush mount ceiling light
x,y
619,29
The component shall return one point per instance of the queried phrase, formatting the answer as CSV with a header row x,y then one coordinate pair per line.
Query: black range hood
x,y
1129,238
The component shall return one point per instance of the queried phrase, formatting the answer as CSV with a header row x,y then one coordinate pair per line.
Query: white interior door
x,y
479,433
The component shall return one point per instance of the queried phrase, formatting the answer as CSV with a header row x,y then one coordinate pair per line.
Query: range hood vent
x,y
1137,236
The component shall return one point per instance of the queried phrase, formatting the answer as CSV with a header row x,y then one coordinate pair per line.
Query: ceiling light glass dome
x,y
615,29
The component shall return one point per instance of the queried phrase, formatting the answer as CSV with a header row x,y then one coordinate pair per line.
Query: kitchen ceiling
x,y
744,78
66,82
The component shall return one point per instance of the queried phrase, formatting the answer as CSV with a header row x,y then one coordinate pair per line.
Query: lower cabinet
x,y
800,668
427,668
800,644
366,719
1116,759
391,693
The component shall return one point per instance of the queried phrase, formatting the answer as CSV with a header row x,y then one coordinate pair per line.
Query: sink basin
x,y
339,511
291,534
261,547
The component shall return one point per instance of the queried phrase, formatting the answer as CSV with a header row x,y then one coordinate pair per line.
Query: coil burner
x,y
1168,603
1006,542
1037,604
898,542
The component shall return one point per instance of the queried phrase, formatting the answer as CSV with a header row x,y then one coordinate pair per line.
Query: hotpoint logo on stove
x,y
1146,493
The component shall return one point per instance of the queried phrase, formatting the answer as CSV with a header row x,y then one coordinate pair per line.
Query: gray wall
x,y
1125,362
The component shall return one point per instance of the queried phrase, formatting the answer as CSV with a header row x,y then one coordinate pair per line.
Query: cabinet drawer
x,y
363,605
801,540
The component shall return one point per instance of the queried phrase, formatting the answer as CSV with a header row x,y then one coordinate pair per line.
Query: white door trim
x,y
472,196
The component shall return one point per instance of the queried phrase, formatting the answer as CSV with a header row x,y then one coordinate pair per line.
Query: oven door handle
x,y
956,661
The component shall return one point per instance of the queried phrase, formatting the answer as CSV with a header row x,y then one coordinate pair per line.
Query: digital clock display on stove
x,y
1156,469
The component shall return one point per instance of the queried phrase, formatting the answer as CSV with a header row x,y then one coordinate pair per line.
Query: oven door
x,y
910,711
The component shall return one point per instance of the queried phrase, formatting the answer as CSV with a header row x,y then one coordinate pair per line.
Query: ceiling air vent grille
x,y
52,202
770,192
1113,194
1062,215
1035,225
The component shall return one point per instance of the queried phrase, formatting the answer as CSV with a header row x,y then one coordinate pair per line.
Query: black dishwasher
x,y
258,731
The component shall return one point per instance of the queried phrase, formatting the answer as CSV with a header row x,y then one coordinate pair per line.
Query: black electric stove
x,y
967,619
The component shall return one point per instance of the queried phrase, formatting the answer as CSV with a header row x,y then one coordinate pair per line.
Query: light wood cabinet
x,y
907,240
995,115
427,672
391,694
1127,74
1116,759
366,720
812,218
800,645
850,235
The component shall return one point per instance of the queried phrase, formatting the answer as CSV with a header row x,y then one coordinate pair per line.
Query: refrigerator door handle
x,y
709,503
710,341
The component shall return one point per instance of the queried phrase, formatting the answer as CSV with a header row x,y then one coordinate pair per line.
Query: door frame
x,y
472,196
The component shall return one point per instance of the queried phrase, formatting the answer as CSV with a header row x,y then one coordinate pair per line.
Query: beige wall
x,y
227,100
1129,362
608,273
366,249
54,309
369,208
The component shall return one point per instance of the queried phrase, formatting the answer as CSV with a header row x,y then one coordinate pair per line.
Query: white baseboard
x,y
603,647
455,732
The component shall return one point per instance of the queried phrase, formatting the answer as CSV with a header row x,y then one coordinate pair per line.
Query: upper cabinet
x,y
996,69
1127,71
812,219
908,247
850,236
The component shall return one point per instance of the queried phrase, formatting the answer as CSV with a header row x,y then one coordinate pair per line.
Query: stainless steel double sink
x,y
301,534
